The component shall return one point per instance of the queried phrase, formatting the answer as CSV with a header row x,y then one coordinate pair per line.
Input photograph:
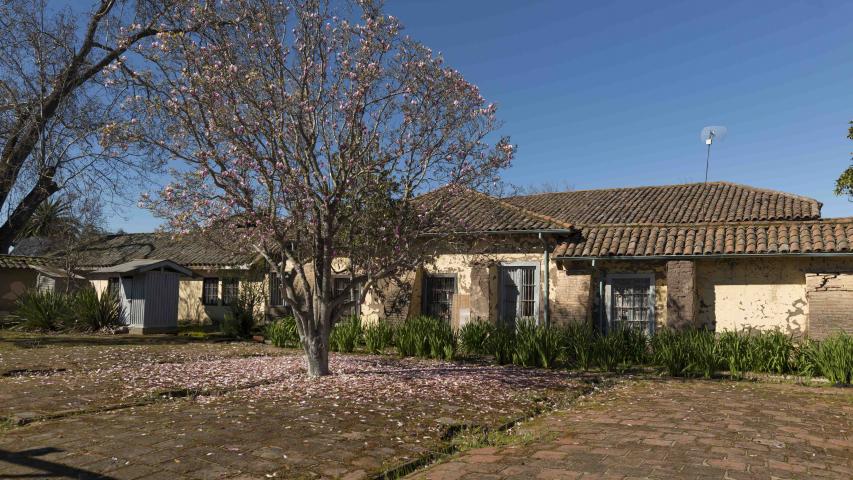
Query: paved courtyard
x,y
247,411
677,429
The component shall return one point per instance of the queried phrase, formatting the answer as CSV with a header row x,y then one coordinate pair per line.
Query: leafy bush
x,y
282,332
345,335
473,337
44,311
245,311
834,358
93,312
378,336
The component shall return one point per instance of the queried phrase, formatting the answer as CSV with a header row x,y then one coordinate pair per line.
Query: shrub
x,y
244,312
345,335
378,336
834,358
44,311
282,332
93,312
473,337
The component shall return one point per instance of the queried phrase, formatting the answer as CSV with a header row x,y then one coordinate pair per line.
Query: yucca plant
x,y
282,332
93,312
345,335
44,311
378,336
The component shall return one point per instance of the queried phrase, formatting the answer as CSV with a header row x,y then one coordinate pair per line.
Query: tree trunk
x,y
317,354
44,188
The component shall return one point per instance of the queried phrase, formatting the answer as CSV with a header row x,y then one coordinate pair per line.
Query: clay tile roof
x,y
472,211
188,250
671,204
20,261
831,235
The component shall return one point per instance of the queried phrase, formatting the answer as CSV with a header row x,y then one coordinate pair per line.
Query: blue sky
x,y
607,94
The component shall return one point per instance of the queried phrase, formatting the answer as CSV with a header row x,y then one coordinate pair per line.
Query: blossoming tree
x,y
310,132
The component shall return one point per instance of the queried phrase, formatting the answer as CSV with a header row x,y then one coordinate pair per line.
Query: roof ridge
x,y
753,223
525,211
669,185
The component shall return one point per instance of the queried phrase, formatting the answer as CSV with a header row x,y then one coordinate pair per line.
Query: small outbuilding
x,y
148,289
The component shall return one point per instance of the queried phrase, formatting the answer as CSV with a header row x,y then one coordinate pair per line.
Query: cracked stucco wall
x,y
765,293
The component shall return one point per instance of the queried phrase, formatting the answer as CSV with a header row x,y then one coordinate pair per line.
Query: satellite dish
x,y
709,135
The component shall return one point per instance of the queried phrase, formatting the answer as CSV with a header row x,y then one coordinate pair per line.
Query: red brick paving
x,y
678,429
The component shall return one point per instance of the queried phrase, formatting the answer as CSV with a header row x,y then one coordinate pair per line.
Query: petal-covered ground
x,y
253,411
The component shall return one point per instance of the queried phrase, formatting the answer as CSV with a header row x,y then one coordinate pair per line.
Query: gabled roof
x,y
670,204
194,251
144,265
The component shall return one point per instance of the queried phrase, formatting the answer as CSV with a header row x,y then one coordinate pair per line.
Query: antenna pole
x,y
707,162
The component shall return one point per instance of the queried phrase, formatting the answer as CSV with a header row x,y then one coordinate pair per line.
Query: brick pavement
x,y
678,429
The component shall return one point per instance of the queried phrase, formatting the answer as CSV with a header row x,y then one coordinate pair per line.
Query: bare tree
x,y
311,132
56,103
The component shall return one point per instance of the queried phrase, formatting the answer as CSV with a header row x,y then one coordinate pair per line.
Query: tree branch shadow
x,y
43,468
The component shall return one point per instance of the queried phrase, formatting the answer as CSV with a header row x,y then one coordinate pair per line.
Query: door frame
x,y
536,274
608,298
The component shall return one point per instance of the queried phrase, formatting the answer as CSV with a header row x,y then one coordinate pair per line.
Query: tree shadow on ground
x,y
42,468
35,341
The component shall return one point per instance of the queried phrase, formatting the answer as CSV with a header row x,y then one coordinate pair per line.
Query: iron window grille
x,y
438,296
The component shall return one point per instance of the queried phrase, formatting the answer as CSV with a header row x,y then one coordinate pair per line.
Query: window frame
x,y
275,291
355,294
425,296
229,282
537,287
608,299
205,282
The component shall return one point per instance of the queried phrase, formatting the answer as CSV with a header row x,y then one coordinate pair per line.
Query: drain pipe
x,y
546,258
